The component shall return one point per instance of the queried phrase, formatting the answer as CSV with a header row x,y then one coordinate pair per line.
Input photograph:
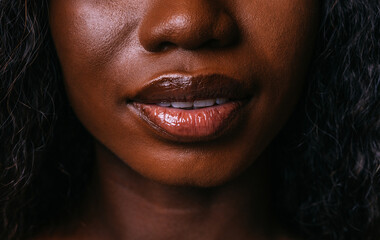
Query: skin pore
x,y
149,183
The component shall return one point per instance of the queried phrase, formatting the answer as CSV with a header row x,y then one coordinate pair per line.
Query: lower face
x,y
185,92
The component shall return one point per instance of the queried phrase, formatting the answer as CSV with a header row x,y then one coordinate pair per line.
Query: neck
x,y
134,207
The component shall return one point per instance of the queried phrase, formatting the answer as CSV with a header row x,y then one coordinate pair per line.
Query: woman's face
x,y
186,92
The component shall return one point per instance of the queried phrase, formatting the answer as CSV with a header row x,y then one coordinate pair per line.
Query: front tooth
x,y
204,103
164,104
221,100
182,104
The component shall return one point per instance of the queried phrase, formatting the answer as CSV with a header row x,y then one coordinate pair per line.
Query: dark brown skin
x,y
149,187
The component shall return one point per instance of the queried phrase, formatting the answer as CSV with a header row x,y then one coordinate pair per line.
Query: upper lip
x,y
187,88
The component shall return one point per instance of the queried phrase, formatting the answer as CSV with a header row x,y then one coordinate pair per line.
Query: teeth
x,y
182,104
195,104
221,100
164,104
204,103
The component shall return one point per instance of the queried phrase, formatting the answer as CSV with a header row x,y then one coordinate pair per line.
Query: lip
x,y
184,88
190,125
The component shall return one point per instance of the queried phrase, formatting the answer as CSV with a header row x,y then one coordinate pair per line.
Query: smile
x,y
188,109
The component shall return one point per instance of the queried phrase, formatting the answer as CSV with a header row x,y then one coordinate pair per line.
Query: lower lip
x,y
191,125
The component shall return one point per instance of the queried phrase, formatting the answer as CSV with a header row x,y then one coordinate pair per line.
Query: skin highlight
x,y
144,183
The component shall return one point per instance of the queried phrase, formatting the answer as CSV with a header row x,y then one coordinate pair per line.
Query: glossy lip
x,y
191,125
184,88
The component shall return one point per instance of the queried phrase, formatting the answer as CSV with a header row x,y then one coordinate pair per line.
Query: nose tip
x,y
187,24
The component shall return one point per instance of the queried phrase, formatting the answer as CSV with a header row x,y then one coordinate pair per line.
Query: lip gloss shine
x,y
194,123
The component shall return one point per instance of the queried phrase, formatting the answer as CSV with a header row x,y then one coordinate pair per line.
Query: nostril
x,y
164,46
212,43
187,24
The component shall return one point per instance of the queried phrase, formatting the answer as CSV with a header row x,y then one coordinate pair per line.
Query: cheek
x,y
282,36
88,34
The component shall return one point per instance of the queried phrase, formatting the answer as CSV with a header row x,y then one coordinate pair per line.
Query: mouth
x,y
192,108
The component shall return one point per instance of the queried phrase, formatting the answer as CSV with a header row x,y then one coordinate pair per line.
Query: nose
x,y
186,24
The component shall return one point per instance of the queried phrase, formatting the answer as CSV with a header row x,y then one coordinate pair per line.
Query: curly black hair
x,y
328,155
